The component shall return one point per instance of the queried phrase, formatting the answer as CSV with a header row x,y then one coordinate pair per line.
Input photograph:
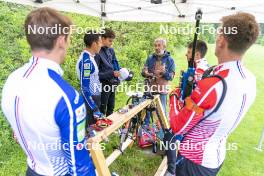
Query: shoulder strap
x,y
219,103
208,72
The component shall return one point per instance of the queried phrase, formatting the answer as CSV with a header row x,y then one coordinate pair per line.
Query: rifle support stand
x,y
101,163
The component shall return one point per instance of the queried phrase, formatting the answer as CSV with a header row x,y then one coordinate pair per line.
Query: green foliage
x,y
261,40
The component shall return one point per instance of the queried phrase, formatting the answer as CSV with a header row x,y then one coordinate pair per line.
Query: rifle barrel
x,y
198,17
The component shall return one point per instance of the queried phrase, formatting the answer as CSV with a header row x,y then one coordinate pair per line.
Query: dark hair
x,y
90,37
201,47
46,18
247,31
108,33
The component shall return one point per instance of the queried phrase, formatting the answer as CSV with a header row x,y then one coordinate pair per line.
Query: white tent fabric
x,y
145,11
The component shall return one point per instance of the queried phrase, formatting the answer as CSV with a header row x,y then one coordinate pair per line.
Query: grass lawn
x,y
134,162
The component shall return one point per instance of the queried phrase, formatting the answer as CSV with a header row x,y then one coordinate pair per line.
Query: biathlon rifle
x,y
187,77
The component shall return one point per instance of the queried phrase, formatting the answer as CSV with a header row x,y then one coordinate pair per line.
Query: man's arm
x,y
103,74
170,72
114,60
70,118
145,71
85,71
204,97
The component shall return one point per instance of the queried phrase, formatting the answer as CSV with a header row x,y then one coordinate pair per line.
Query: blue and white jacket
x,y
87,72
48,117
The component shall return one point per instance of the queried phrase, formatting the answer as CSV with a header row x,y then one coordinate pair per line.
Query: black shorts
x,y
186,167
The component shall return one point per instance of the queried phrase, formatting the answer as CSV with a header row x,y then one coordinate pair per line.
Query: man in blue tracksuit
x,y
108,72
87,72
159,69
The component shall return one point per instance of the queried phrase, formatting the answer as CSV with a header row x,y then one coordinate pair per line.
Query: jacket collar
x,y
85,51
48,64
166,54
227,65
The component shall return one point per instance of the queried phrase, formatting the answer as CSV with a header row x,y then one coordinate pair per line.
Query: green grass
x,y
14,51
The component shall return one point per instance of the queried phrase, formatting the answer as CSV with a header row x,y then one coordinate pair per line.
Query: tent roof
x,y
145,11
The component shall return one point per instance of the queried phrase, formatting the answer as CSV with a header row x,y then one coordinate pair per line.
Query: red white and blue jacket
x,y
200,66
204,143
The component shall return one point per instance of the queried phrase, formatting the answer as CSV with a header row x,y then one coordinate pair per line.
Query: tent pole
x,y
103,13
261,139
178,10
102,23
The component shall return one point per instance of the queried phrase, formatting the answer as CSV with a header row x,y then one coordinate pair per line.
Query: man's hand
x,y
150,75
98,115
176,92
116,74
175,102
146,73
162,69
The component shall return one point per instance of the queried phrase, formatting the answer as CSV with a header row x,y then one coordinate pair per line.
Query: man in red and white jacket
x,y
201,65
203,148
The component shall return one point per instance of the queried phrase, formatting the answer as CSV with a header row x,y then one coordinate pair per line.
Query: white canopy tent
x,y
145,11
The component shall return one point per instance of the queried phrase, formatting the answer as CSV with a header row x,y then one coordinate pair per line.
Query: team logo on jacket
x,y
86,73
80,113
81,131
86,66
